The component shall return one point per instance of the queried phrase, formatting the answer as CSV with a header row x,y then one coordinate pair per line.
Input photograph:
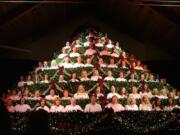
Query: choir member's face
x,y
98,90
74,75
58,102
22,101
66,93
114,100
170,101
123,90
52,92
134,90
112,61
93,99
14,92
113,90
88,61
37,93
121,75
158,102
132,76
43,102
74,49
146,100
109,73
73,101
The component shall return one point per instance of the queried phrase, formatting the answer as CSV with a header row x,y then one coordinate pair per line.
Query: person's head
x,y
14,92
66,59
138,63
93,99
131,100
26,92
37,93
95,72
74,49
74,75
132,76
98,89
65,93
112,61
134,89
63,50
40,64
109,73
145,100
133,64
29,78
109,42
22,101
123,63
45,63
158,102
52,92
79,59
170,101
57,101
81,89
155,91
145,88
46,77
84,74
21,78
53,63
73,101
101,61
113,89
121,74
67,43
151,77
114,100
61,78
123,91
77,42
142,77
88,61
42,102
9,102
98,40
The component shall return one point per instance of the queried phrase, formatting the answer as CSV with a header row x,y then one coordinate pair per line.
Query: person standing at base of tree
x,y
93,106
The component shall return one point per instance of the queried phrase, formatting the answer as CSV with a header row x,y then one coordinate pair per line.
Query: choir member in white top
x,y
93,106
145,91
145,104
109,76
158,105
90,51
95,75
123,93
65,95
84,76
134,93
21,82
110,45
46,79
115,53
99,44
113,93
98,92
115,105
88,63
77,44
51,95
131,106
132,78
66,63
73,107
170,105
22,107
78,63
74,53
138,66
61,79
81,93
121,77
54,64
37,95
101,62
57,107
74,78
112,64
124,65
14,96
63,54
105,51
29,80
42,106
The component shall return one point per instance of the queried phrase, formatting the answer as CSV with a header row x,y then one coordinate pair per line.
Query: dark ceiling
x,y
24,22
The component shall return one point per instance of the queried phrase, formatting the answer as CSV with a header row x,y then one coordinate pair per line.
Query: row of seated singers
x,y
85,76
93,106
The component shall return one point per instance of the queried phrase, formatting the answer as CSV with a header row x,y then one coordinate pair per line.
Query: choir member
x,y
22,107
42,105
51,95
131,104
81,93
145,104
57,107
73,107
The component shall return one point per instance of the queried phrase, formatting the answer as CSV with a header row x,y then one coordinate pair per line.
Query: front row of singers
x,y
93,106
